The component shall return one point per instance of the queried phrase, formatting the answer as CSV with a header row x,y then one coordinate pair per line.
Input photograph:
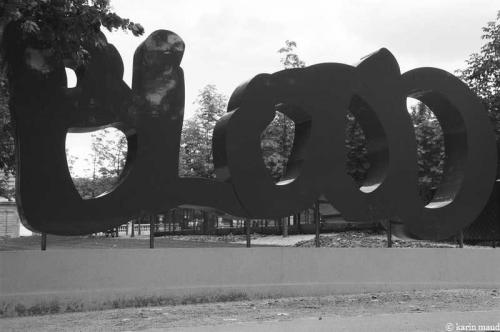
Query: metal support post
x,y
317,222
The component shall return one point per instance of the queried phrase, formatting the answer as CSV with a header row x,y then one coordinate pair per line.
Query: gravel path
x,y
370,239
278,240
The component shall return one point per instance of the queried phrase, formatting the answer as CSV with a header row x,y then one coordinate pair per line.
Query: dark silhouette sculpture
x,y
317,99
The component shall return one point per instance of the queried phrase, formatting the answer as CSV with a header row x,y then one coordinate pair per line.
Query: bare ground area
x,y
223,314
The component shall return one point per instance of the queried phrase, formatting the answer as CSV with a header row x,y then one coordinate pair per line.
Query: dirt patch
x,y
217,314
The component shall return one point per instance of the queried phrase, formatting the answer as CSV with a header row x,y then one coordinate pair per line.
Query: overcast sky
x,y
230,41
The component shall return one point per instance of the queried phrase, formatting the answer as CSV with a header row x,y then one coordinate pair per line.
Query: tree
x,y
290,59
7,189
193,151
196,157
482,73
430,150
277,138
357,154
106,162
276,144
69,27
71,160
7,157
109,152
91,188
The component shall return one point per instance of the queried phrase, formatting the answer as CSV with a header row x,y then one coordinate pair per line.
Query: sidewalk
x,y
399,322
279,240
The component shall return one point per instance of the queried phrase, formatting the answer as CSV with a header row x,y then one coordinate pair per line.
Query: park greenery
x,y
195,155
277,138
71,26
482,73
105,163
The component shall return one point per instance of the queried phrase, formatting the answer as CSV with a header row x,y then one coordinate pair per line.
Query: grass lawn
x,y
100,242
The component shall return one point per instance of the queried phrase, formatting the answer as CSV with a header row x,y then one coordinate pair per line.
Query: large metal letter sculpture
x,y
150,114
316,98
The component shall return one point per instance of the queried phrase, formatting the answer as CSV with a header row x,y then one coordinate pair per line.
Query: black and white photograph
x,y
243,166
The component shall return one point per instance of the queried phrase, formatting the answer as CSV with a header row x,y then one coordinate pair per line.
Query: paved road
x,y
426,322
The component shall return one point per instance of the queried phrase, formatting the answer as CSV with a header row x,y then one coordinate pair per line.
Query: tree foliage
x,y
356,153
91,188
482,73
69,27
289,58
277,138
109,153
195,155
430,149
7,157
7,190
105,163
276,144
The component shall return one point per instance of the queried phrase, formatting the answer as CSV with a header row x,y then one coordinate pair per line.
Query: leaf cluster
x,y
356,152
7,156
109,152
106,162
482,73
276,144
195,155
277,139
430,149
91,188
70,27
289,58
